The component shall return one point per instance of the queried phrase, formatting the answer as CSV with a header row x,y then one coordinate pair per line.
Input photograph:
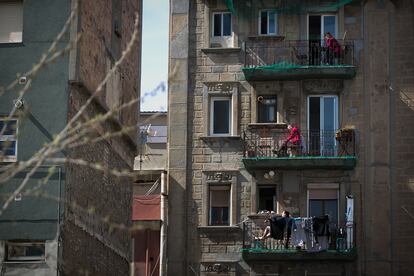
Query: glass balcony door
x,y
318,25
322,124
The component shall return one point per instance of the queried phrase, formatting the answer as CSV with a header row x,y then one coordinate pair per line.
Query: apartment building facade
x,y
149,214
49,228
242,71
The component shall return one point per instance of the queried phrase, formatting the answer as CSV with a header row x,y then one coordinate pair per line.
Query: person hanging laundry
x,y
277,228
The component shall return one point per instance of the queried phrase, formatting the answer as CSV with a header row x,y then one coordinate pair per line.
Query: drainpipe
x,y
164,224
391,152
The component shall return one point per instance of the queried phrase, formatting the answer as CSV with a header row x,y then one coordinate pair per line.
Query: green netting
x,y
291,250
230,6
286,66
293,6
300,157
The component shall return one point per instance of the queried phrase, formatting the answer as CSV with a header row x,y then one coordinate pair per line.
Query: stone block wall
x,y
402,137
382,177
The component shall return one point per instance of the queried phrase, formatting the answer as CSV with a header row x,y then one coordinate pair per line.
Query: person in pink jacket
x,y
293,142
333,49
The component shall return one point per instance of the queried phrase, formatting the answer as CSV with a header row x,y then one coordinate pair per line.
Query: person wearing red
x,y
293,142
333,49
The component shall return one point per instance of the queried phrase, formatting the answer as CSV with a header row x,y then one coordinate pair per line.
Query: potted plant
x,y
345,133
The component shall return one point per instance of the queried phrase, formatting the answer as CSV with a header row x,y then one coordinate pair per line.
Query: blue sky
x,y
154,67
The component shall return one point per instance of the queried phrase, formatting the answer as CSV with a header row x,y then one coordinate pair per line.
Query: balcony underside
x,y
265,73
294,163
258,255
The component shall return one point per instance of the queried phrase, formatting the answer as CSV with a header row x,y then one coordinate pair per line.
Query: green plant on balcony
x,y
345,133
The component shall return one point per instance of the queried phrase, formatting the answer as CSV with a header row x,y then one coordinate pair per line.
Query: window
x,y
318,25
221,24
267,23
25,251
323,201
322,124
8,141
221,116
11,21
267,107
267,198
153,134
219,205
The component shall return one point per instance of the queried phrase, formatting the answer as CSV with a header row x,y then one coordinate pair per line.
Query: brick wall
x,y
95,232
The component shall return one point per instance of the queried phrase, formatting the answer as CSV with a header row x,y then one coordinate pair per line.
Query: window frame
x,y
213,22
24,259
219,178
218,187
322,97
324,186
21,21
259,104
275,199
268,23
322,15
230,116
11,138
220,89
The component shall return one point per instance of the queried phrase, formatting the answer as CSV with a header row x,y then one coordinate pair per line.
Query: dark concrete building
x,y
70,225
242,72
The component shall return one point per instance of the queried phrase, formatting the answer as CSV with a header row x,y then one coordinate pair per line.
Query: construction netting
x,y
288,6
285,66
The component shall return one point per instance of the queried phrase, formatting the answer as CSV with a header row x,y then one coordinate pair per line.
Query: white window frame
x,y
222,25
322,15
321,118
230,117
11,138
336,111
268,23
41,258
17,19
227,187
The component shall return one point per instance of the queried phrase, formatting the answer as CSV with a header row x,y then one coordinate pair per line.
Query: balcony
x,y
337,243
265,149
297,60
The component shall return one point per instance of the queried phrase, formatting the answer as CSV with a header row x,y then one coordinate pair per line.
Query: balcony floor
x,y
300,162
299,72
258,254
